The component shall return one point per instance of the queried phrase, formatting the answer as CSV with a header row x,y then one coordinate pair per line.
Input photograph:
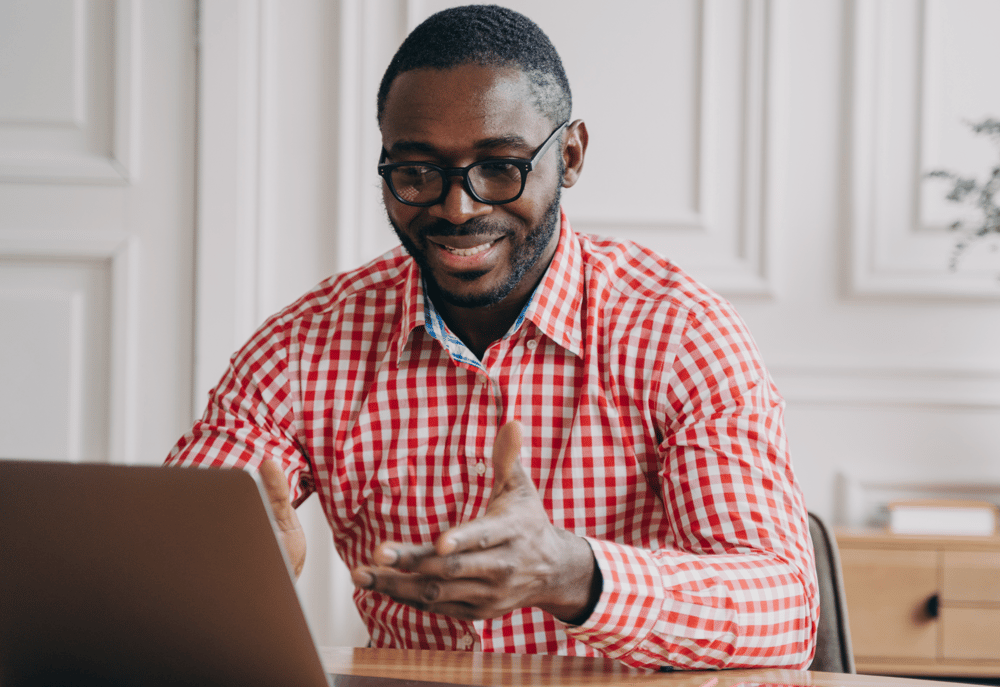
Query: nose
x,y
458,206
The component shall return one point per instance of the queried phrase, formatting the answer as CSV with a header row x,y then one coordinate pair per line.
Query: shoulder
x,y
373,292
655,312
627,272
383,278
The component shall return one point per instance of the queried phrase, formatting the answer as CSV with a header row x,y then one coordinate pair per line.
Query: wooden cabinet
x,y
922,605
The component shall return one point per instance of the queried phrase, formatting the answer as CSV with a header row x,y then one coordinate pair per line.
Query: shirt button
x,y
481,469
465,642
532,344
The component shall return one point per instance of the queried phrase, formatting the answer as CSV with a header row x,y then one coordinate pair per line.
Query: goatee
x,y
524,255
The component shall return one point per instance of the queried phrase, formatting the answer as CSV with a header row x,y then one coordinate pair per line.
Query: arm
x,y
248,424
737,588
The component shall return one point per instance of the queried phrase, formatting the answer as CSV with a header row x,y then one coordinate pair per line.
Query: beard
x,y
525,254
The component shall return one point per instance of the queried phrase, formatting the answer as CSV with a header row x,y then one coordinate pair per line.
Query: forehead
x,y
459,106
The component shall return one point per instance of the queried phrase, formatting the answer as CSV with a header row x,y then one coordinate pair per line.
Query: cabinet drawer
x,y
970,633
971,576
887,593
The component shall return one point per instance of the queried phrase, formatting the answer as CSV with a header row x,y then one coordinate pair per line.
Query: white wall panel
x,y
84,286
369,34
43,79
66,74
54,352
921,68
677,119
115,320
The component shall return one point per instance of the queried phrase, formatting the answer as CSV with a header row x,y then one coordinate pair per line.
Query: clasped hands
x,y
509,558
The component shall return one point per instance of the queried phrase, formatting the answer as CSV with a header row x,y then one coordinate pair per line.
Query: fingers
x,y
481,534
465,599
276,487
510,483
402,556
486,565
475,570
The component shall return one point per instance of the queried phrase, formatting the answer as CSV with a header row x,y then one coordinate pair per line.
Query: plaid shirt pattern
x,y
650,427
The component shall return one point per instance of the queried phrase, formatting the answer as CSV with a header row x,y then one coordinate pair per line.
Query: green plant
x,y
981,196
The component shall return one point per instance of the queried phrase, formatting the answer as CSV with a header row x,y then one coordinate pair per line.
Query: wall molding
x,y
228,235
736,259
894,251
120,164
958,387
120,251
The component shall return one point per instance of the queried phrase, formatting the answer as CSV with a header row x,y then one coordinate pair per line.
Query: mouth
x,y
458,246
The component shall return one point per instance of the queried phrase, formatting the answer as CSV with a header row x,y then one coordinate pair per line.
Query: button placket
x,y
492,418
473,438
478,438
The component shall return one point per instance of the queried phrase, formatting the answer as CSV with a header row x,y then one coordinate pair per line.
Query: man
x,y
524,439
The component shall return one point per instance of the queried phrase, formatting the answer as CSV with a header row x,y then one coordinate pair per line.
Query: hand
x,y
510,558
291,534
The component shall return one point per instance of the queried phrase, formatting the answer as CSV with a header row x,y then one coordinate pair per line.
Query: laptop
x,y
129,575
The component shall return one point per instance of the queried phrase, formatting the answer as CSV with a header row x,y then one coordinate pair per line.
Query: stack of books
x,y
943,517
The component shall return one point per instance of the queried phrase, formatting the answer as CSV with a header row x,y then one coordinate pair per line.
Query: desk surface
x,y
473,668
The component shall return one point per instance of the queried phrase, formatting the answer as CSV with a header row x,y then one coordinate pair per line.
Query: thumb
x,y
509,484
507,469
291,534
273,479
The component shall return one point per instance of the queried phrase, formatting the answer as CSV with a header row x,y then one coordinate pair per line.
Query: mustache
x,y
474,227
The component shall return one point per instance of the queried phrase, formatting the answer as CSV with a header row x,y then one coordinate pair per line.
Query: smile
x,y
467,252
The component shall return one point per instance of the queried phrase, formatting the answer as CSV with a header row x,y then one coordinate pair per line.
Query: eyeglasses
x,y
494,182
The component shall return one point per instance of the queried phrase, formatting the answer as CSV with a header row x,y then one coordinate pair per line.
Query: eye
x,y
498,169
413,173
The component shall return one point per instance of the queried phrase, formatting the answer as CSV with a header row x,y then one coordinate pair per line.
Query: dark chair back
x,y
833,637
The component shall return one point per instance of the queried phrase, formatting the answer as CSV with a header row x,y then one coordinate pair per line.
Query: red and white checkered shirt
x,y
650,427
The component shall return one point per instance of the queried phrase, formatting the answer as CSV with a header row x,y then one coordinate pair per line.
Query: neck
x,y
479,327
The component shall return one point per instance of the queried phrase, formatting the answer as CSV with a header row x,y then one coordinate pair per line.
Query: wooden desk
x,y
475,668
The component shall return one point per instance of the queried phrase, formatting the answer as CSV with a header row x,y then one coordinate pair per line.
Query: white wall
x,y
97,197
772,147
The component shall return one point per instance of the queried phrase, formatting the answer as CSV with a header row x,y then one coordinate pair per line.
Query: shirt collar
x,y
554,307
413,305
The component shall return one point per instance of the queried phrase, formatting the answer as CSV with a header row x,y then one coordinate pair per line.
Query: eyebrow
x,y
508,141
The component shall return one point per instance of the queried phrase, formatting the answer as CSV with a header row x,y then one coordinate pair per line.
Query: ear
x,y
574,148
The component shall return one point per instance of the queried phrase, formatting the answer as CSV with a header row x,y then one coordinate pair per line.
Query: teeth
x,y
465,252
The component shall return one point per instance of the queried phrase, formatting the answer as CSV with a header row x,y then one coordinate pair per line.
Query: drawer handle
x,y
932,606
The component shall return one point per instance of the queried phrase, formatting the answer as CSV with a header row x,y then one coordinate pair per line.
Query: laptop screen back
x,y
125,575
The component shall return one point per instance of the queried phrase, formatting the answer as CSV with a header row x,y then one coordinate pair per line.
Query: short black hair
x,y
487,35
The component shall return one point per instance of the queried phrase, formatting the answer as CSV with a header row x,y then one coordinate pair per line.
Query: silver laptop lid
x,y
127,575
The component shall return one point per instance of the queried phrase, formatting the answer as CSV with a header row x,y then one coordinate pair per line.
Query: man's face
x,y
471,253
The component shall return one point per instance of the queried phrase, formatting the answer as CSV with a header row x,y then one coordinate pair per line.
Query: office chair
x,y
833,636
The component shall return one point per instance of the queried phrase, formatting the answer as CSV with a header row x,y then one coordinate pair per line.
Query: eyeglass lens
x,y
492,181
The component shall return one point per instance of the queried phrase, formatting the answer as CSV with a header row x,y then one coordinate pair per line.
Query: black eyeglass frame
x,y
385,171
